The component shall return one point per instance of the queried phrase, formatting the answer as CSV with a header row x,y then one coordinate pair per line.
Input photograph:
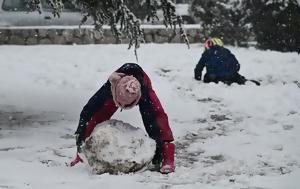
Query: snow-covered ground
x,y
226,136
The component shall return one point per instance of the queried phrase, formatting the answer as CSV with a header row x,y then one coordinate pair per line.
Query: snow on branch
x,y
118,16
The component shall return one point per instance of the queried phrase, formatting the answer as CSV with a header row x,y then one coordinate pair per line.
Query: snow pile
x,y
115,146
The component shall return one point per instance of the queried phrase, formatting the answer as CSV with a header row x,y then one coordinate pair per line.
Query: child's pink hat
x,y
126,90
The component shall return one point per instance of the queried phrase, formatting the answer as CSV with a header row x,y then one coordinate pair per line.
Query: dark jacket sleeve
x,y
199,67
235,62
94,104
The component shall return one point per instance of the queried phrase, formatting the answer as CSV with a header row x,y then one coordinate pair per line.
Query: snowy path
x,y
226,136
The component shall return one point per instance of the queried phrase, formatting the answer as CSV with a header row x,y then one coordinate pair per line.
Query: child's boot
x,y
168,151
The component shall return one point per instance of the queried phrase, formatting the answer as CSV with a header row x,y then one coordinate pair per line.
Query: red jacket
x,y
101,107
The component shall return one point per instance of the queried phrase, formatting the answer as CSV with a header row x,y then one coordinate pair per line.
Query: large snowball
x,y
115,146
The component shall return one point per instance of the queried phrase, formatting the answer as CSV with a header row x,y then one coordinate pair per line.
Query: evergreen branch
x,y
116,14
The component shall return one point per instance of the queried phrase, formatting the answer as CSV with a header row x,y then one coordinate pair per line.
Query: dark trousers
x,y
237,78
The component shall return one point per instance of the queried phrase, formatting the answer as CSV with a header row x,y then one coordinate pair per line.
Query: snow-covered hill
x,y
226,136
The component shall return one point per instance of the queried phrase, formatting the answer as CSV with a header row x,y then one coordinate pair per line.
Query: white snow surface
x,y
227,137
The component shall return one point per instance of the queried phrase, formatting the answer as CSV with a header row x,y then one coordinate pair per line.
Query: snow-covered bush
x,y
276,24
117,147
222,18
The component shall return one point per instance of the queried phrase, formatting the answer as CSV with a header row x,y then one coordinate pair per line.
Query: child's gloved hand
x,y
198,77
76,160
79,150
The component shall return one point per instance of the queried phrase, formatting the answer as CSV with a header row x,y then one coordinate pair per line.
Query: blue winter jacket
x,y
219,62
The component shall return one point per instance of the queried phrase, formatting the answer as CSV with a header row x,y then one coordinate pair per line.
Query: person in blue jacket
x,y
221,65
126,88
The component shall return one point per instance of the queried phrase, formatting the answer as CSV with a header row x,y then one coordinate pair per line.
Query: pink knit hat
x,y
126,90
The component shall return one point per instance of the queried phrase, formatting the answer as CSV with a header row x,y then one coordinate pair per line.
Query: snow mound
x,y
116,147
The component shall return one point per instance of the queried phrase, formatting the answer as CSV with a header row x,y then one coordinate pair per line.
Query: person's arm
x,y
234,61
199,67
99,108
